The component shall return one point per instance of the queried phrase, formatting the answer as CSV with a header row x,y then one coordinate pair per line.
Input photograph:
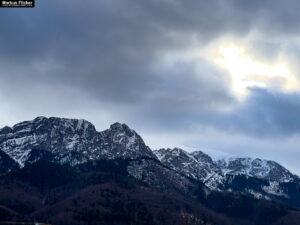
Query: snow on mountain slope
x,y
231,175
119,141
196,165
69,137
185,163
72,141
53,134
154,174
264,169
200,166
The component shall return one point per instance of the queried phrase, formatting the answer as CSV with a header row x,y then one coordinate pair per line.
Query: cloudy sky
x,y
221,76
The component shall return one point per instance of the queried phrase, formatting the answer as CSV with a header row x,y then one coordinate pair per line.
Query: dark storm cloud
x,y
272,16
113,51
107,49
264,114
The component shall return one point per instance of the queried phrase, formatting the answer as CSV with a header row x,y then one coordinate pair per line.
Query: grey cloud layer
x,y
112,52
264,114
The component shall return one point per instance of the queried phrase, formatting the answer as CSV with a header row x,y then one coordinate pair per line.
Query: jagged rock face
x,y
120,142
263,169
54,135
154,174
69,138
185,163
202,157
193,163
196,165
259,178
73,142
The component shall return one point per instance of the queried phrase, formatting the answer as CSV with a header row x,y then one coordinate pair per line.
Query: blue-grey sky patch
x,y
149,64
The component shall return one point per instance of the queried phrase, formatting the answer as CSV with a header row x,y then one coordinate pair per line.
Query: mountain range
x,y
63,171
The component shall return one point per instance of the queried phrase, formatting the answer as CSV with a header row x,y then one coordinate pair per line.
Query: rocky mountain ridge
x,y
69,137
201,166
259,178
74,142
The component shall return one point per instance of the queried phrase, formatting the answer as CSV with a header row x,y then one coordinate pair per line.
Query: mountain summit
x,y
259,178
201,166
74,142
71,140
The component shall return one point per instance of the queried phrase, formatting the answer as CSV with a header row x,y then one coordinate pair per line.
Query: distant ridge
x,y
75,142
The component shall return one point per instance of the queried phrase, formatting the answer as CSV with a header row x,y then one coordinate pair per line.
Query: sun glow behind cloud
x,y
247,72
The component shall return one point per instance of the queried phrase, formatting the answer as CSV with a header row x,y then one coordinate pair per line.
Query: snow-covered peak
x,y
169,154
173,152
184,162
121,141
6,130
49,123
201,166
52,134
120,127
68,136
123,135
264,169
202,157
